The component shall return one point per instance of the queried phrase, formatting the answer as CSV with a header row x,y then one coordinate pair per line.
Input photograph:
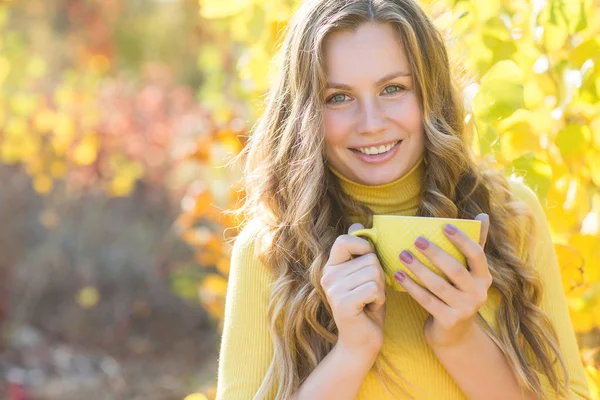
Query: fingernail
x,y
450,229
400,276
422,243
406,257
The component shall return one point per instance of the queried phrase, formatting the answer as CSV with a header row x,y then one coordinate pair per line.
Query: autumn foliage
x,y
534,105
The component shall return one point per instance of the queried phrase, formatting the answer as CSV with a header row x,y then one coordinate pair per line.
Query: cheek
x,y
337,125
407,113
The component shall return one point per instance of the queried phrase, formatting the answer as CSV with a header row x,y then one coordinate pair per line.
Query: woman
x,y
308,314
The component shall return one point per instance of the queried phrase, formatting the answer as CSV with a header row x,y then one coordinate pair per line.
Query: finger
x,y
432,281
368,293
471,249
333,275
450,266
345,246
355,227
424,297
485,227
365,274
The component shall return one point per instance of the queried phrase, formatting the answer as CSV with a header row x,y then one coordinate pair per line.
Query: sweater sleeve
x,y
554,302
246,349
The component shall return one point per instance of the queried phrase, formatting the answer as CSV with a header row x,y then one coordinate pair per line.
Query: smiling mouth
x,y
362,152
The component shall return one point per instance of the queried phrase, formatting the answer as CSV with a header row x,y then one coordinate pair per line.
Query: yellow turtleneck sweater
x,y
246,347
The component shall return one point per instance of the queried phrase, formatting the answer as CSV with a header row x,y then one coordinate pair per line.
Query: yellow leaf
x,y
212,292
16,127
4,68
88,297
571,265
58,168
590,49
253,67
569,202
582,321
195,396
573,140
23,104
37,67
534,95
99,63
44,120
594,163
487,9
206,258
593,378
554,37
213,9
9,152
595,128
589,247
121,185
198,236
535,171
518,136
210,58
85,152
35,165
64,128
42,184
501,91
60,145
29,145
223,266
64,96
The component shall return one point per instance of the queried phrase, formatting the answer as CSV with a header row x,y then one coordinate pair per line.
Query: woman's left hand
x,y
452,308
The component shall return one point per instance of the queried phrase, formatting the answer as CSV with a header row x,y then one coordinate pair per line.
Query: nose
x,y
371,118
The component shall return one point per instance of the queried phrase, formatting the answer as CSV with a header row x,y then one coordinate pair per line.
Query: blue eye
x,y
338,96
399,88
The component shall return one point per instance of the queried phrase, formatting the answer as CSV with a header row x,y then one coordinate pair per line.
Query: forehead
x,y
372,50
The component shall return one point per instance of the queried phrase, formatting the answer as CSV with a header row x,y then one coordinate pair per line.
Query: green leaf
x,y
572,141
582,24
536,173
501,92
489,139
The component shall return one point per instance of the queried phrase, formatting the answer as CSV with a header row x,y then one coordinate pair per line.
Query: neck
x,y
399,197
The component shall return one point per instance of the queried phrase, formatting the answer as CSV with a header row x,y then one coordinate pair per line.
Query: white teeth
x,y
375,150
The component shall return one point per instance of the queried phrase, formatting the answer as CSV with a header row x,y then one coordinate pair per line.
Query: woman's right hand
x,y
355,290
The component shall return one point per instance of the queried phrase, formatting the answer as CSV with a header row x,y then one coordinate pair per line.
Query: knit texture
x,y
246,346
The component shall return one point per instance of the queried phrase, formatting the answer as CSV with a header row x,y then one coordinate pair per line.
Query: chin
x,y
382,179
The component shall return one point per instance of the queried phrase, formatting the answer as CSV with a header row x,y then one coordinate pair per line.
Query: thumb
x,y
355,227
485,227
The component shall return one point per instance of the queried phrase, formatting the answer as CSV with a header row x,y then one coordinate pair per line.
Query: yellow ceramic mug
x,y
391,234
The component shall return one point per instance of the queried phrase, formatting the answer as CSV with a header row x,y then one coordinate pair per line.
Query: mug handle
x,y
370,233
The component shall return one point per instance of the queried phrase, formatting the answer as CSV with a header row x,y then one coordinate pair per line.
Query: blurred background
x,y
117,122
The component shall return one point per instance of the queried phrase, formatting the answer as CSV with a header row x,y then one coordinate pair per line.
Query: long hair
x,y
303,208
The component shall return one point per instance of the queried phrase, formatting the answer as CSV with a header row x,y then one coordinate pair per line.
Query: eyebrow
x,y
333,85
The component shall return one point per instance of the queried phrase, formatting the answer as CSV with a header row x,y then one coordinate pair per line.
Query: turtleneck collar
x,y
400,197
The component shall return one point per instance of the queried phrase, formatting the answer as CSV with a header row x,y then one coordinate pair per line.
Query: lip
x,y
378,158
377,144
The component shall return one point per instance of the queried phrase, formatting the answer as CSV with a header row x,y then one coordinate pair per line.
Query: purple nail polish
x,y
406,257
422,243
400,276
450,229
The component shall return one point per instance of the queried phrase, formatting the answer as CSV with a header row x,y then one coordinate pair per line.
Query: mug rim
x,y
417,217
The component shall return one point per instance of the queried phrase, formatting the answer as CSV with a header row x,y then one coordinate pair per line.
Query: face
x,y
370,101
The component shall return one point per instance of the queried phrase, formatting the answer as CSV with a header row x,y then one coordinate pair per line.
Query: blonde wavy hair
x,y
290,189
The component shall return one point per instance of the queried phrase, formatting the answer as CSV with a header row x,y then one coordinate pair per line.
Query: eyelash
x,y
329,100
